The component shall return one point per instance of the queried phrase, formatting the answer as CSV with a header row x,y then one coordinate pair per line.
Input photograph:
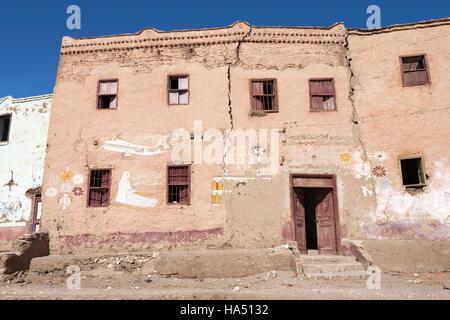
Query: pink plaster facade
x,y
255,211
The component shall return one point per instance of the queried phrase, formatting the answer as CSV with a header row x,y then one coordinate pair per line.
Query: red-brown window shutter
x,y
264,95
322,95
178,184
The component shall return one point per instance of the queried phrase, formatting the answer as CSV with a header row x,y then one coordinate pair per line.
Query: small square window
x,y
178,184
413,173
414,70
99,188
178,89
322,95
264,95
5,123
107,94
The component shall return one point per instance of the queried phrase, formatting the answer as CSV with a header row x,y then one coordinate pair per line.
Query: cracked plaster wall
x,y
255,213
22,161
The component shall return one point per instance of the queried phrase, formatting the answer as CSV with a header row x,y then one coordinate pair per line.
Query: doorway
x,y
314,213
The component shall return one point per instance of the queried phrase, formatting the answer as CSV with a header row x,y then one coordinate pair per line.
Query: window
x,y
99,188
414,70
178,89
37,213
264,95
322,95
107,94
413,173
178,184
5,122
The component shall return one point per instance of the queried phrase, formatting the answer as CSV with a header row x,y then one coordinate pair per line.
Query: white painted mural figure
x,y
126,194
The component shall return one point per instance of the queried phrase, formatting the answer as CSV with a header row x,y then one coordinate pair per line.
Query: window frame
x,y
8,136
168,185
179,90
88,197
311,95
422,167
98,94
427,69
252,96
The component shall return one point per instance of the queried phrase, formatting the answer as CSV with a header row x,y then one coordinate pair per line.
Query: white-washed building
x,y
23,142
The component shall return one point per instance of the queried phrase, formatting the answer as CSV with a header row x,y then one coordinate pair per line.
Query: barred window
x,y
264,95
178,184
99,188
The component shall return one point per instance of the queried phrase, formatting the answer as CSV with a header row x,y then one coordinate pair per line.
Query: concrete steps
x,y
332,267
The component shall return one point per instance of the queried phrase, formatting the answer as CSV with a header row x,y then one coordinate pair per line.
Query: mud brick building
x,y
23,137
357,123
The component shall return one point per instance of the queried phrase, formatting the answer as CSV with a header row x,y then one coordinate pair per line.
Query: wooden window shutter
x,y
322,95
414,70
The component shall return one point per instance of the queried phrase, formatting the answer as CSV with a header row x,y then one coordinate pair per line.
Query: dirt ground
x,y
114,285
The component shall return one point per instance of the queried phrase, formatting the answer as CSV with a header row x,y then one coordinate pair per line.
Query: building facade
x,y
249,137
23,138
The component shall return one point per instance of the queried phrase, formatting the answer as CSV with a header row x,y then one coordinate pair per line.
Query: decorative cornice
x,y
401,27
240,31
151,38
313,35
26,99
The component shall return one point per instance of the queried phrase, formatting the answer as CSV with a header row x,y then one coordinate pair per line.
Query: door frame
x,y
35,220
292,176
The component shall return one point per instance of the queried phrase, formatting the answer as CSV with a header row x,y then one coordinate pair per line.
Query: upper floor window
x,y
178,184
264,95
413,172
322,95
178,89
414,70
99,188
5,122
107,94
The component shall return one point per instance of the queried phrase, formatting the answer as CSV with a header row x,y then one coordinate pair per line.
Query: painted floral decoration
x,y
78,179
379,171
345,157
77,191
67,176
51,192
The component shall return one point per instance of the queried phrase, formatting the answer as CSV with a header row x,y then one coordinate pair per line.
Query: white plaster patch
x,y
12,224
361,168
367,191
128,149
430,204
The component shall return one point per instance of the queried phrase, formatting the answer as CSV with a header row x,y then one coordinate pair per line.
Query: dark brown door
x,y
299,219
326,229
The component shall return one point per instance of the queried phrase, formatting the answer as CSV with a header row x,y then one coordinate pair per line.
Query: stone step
x,y
326,259
332,267
338,275
5,246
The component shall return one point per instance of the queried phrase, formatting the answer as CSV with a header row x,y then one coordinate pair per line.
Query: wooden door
x,y
325,221
299,219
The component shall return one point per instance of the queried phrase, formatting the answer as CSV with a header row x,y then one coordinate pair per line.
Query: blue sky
x,y
31,31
